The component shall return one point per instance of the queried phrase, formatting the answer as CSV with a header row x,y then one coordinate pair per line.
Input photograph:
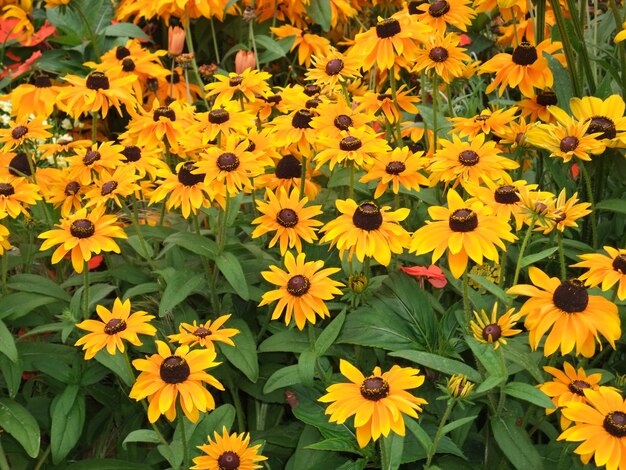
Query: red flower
x,y
19,68
432,274
465,40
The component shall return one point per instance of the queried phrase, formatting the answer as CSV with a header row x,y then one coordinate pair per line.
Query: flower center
x,y
153,84
82,228
312,90
571,296
524,54
387,28
506,194
165,112
174,370
201,332
547,98
577,387
42,81
395,167
132,153
97,81
287,218
186,177
468,158
350,143
374,388
463,220
492,333
121,52
108,188
619,263
227,162
540,207
114,325
367,217
228,461
413,4
604,125
19,132
173,78
298,285
343,122
288,167
128,65
439,8
274,99
302,119
91,157
568,144
438,54
6,189
312,103
235,81
71,188
334,66
615,423
384,96
218,116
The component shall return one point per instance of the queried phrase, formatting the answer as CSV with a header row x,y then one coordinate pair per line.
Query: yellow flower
x,y
355,146
228,452
459,386
494,330
564,214
23,129
488,121
250,84
16,194
36,98
90,161
442,54
606,116
308,44
4,239
205,334
441,13
333,68
606,271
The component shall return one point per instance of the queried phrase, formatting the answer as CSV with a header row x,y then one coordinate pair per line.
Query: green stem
x,y
502,398
183,436
303,177
86,291
92,36
540,25
594,228
435,95
442,423
215,48
134,217
466,299
318,364
518,265
253,42
172,77
384,457
394,97
43,457
567,47
94,126
223,225
351,188
578,30
449,93
4,464
194,64
559,237
621,47
5,268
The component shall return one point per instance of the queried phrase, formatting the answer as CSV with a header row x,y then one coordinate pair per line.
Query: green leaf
x,y
486,355
565,90
37,285
273,49
532,259
117,364
377,328
490,382
440,363
179,287
515,444
457,424
135,243
141,289
107,464
18,304
141,435
528,393
392,454
230,267
306,367
193,242
12,373
422,437
335,445
7,343
612,205
68,417
327,337
243,355
320,12
489,287
221,417
284,377
19,423
285,341
127,30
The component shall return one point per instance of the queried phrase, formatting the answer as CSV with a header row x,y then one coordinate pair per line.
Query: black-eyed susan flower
x,y
465,230
441,13
167,378
114,327
37,97
373,102
21,130
16,195
205,334
113,186
144,161
459,386
64,191
83,234
287,215
91,161
333,68
605,271
574,318
367,230
308,44
249,84
493,329
358,147
441,53
61,147
302,290
219,122
288,174
600,425
605,116
535,108
295,129
336,116
565,213
377,402
228,452
488,121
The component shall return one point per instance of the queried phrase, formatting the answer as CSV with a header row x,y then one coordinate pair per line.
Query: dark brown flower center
x,y
540,207
186,177
547,98
287,218
468,158
82,228
438,54
350,143
288,167
387,28
367,216
121,52
132,153
6,189
312,90
571,296
173,78
97,81
174,370
71,188
114,325
274,99
374,388
227,162
235,81
492,331
19,165
384,96
228,461
568,144
615,423
128,65
42,81
218,116
298,285
619,264
108,188
334,66
343,122
19,132
201,332
413,4
164,111
604,125
463,220
153,84
506,194
578,387
312,103
395,167
482,117
439,8
524,54
302,119
91,157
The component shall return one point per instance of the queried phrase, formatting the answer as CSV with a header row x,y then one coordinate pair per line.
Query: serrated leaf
x,y
335,445
422,437
19,423
18,304
179,287
486,355
243,355
141,289
230,267
528,393
285,341
440,363
193,242
457,424
490,382
393,444
328,336
306,367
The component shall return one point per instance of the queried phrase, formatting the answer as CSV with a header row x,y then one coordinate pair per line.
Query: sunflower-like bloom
x,y
536,107
576,318
90,161
374,103
205,334
488,121
356,146
367,230
36,98
565,213
465,230
377,402
303,288
249,84
164,376
228,451
333,68
568,385
308,44
16,194
23,129
524,69
113,186
600,425
288,174
287,215
494,330
441,13
83,234
606,271
295,129
606,116
219,123
337,116
442,54
117,325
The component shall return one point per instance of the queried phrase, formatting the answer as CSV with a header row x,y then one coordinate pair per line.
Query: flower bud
x,y
244,60
459,386
175,40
